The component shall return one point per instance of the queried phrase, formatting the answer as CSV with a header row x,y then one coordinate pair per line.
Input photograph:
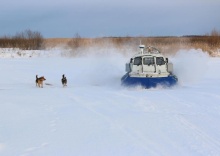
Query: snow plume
x,y
107,49
101,66
190,65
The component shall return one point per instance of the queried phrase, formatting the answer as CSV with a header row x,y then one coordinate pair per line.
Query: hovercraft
x,y
149,68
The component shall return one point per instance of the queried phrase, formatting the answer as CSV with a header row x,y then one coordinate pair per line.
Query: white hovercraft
x,y
149,68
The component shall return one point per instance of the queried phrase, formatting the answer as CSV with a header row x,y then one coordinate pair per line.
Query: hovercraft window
x,y
160,61
148,61
137,61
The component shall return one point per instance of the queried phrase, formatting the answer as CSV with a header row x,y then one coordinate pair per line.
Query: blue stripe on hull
x,y
149,82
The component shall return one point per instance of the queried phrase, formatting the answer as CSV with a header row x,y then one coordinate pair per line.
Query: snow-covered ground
x,y
95,116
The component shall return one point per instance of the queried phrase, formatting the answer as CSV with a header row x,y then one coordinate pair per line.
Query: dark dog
x,y
39,81
64,81
36,80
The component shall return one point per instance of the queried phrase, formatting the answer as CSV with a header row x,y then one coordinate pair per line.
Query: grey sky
x,y
98,18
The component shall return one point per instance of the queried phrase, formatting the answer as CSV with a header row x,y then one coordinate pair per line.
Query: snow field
x,y
94,115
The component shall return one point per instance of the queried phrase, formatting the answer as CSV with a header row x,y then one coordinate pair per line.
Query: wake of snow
x,y
94,115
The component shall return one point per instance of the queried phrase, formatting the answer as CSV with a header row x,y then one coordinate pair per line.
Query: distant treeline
x,y
167,44
26,40
33,40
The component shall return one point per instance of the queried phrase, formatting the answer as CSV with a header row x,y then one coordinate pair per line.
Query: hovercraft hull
x,y
149,82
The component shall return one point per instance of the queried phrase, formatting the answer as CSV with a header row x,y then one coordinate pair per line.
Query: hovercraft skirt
x,y
149,82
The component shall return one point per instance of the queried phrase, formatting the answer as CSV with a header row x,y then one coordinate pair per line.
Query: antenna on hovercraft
x,y
141,46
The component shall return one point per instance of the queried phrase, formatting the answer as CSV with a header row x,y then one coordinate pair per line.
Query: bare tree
x,y
26,40
75,41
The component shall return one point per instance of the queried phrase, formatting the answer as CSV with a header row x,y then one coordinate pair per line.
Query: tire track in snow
x,y
132,135
145,104
48,108
208,144
205,141
181,102
217,96
30,151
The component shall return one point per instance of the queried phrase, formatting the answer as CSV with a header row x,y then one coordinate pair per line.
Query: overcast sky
x,y
99,18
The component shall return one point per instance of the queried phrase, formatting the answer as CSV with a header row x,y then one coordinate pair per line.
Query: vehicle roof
x,y
148,51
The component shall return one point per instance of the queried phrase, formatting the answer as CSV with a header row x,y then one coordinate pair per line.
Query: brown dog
x,y
39,81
